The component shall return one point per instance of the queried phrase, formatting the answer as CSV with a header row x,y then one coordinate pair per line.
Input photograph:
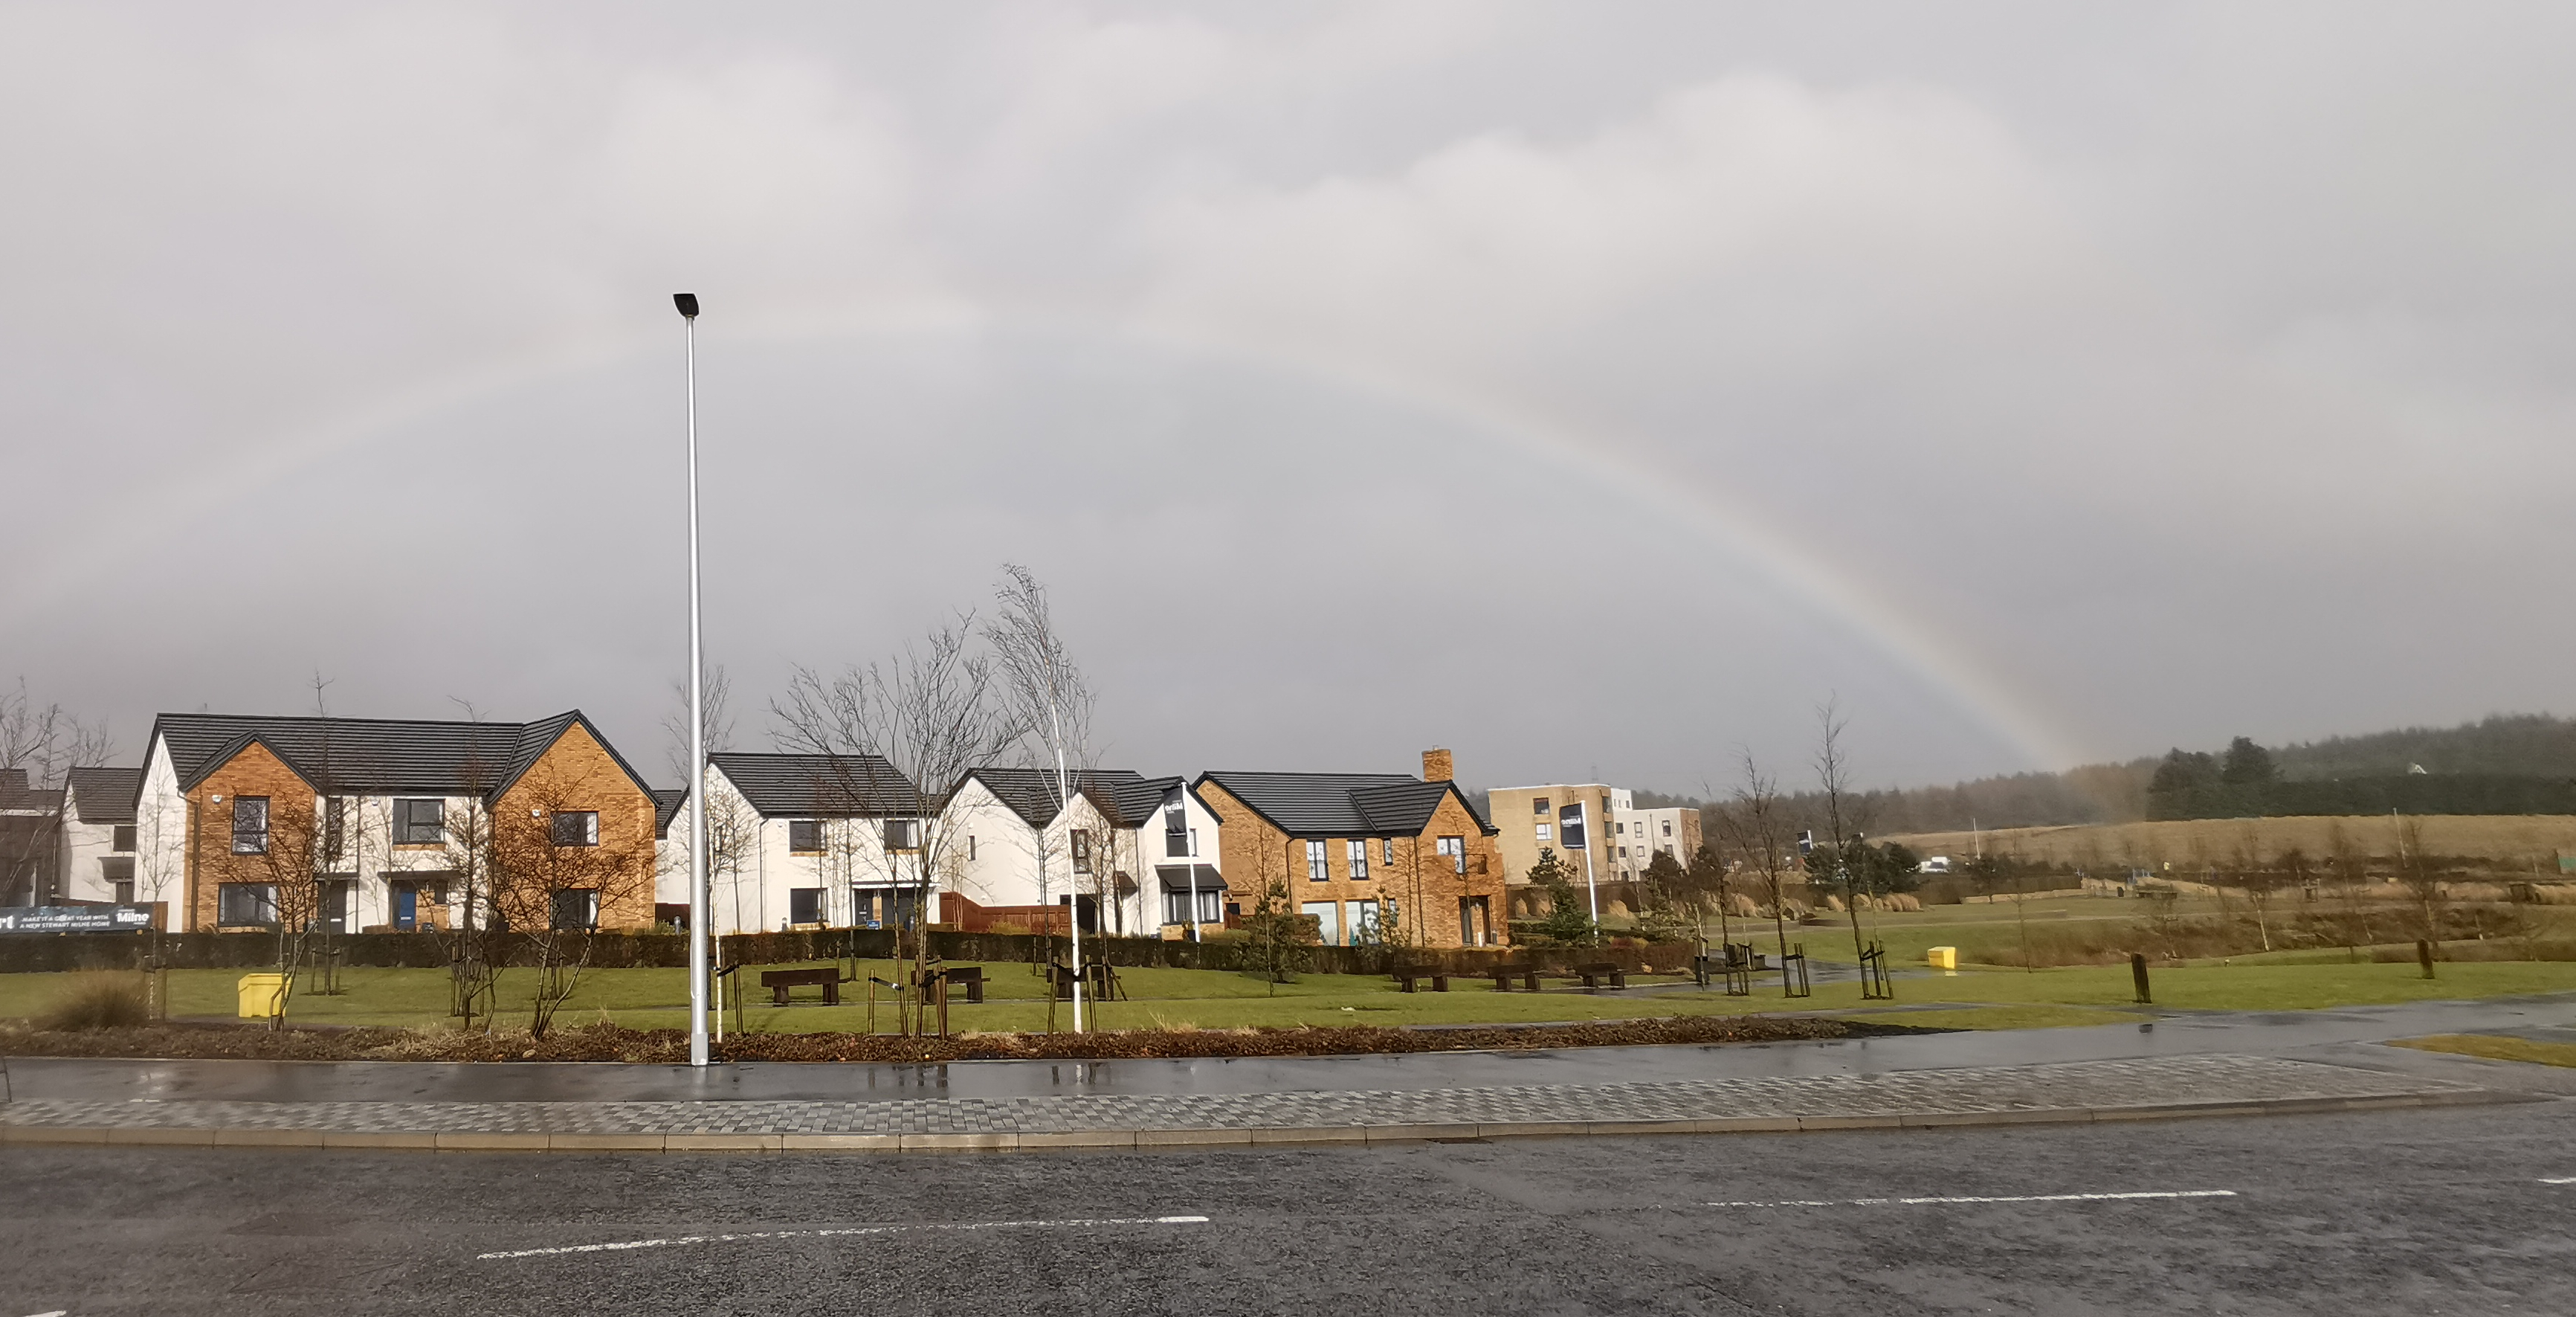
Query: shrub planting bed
x,y
603,1042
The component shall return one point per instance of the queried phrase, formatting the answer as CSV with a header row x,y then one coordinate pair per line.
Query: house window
x,y
1546,833
576,827
1315,862
1456,849
1386,851
124,838
420,822
1176,832
1176,906
250,833
903,834
1619,829
1359,861
576,908
1081,841
335,814
1539,807
1668,827
970,846
240,904
804,905
805,837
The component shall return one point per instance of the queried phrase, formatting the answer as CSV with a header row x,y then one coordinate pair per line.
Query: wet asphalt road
x,y
2436,1211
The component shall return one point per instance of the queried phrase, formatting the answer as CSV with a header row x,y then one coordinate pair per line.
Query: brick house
x,y
1364,853
361,824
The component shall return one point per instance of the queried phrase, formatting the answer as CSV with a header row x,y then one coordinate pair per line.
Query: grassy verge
x,y
1210,999
2494,1048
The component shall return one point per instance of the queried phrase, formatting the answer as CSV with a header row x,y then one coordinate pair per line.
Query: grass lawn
x,y
1211,999
2494,1048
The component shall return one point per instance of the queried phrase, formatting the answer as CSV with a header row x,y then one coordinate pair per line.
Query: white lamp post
x,y
688,304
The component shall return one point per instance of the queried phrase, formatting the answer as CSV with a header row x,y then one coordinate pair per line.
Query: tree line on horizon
x,y
2500,764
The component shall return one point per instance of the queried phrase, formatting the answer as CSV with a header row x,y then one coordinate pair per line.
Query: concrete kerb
x,y
1030,1141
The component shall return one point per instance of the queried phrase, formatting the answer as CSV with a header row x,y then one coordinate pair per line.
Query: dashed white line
x,y
2558,1179
729,1237
1975,1198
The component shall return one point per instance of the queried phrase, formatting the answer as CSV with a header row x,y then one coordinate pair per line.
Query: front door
x,y
1474,921
406,908
332,911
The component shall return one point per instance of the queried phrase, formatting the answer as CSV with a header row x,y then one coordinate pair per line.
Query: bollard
x,y
2424,956
2138,971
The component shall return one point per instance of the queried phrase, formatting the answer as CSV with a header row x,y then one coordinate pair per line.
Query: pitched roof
x,y
16,796
820,786
1344,804
105,795
1126,798
666,806
376,756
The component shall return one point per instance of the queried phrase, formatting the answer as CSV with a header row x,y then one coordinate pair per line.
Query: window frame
x,y
812,829
590,827
1318,867
555,910
407,824
1355,856
1077,844
251,840
1456,849
121,838
226,895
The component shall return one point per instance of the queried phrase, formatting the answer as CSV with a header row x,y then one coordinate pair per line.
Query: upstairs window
x,y
805,837
1315,870
124,838
1546,833
1668,827
420,822
250,830
576,827
1539,807
1176,831
1386,852
1456,849
903,834
335,827
1359,861
1080,839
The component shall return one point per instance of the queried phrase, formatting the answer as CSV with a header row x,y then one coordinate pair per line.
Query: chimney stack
x,y
1435,765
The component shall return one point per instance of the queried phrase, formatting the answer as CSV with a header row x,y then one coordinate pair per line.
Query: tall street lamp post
x,y
688,304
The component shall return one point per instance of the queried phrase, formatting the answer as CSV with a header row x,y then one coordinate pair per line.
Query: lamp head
x,y
688,304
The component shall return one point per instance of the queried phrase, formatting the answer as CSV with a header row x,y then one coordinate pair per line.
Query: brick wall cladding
x,y
1424,884
210,861
578,773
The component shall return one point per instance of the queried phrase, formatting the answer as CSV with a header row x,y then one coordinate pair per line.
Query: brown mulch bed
x,y
600,1042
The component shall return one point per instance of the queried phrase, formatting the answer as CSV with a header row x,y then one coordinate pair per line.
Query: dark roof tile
x,y
820,786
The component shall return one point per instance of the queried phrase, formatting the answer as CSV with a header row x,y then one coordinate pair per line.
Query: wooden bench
x,y
1593,974
969,977
1504,974
778,981
1409,974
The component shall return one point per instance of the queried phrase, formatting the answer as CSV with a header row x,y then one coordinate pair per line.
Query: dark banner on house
x,y
75,919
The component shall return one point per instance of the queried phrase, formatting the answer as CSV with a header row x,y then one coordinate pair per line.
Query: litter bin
x,y
263,996
1943,957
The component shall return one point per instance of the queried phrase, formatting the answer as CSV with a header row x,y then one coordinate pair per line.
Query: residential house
x,y
1605,841
358,824
31,854
804,841
1018,844
1371,856
99,836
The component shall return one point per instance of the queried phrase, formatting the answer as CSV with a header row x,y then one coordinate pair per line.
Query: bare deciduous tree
x,y
1755,824
932,715
40,744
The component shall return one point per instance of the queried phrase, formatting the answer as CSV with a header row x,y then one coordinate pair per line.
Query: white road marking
x,y
58,1312
2558,1179
1967,1198
735,1236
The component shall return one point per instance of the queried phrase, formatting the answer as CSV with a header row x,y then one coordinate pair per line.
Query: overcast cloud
x,y
1591,388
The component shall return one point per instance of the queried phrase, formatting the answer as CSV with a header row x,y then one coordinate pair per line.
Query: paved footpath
x,y
2070,1092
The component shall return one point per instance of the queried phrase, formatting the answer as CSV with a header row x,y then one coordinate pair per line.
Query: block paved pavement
x,y
2086,1090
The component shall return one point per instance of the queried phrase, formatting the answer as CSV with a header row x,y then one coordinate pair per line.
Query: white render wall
x,y
752,870
1015,864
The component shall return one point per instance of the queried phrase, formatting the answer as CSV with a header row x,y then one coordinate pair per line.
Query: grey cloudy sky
x,y
1587,387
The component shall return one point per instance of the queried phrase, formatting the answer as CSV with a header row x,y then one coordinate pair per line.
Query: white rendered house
x,y
805,841
1019,842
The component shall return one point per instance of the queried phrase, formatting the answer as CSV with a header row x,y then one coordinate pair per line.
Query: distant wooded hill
x,y
2521,763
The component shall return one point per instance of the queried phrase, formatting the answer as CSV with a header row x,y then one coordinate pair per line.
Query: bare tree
x,y
555,872
932,715
1756,824
1833,779
470,841
40,744
1048,697
718,721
